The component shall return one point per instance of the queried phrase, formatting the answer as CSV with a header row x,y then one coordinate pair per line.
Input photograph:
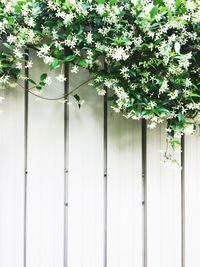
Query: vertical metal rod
x,y
26,73
144,190
66,163
183,201
105,177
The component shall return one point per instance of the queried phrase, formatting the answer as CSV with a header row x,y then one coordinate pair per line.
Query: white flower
x,y
104,31
29,64
188,82
48,81
30,22
71,42
44,49
77,52
19,65
108,83
48,60
68,18
189,129
164,87
11,39
61,78
89,38
55,34
9,7
184,62
152,125
13,84
75,69
116,109
125,72
18,53
137,41
170,4
101,91
119,53
190,5
100,9
173,95
4,79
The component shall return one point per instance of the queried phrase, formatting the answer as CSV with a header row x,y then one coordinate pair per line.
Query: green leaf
x,y
69,58
194,95
162,110
82,63
178,3
43,77
77,97
7,46
112,2
15,72
78,100
181,116
154,11
31,81
100,1
55,64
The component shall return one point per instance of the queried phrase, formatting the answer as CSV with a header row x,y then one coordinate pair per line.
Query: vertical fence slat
x,y
45,192
124,192
163,205
85,205
183,201
192,199
11,177
66,162
105,177
144,191
26,93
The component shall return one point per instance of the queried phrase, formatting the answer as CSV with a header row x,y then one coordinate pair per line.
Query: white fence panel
x,y
76,232
163,205
124,192
85,177
45,194
192,200
11,177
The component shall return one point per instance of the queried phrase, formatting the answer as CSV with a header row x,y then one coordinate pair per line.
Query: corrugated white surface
x,y
85,177
192,199
163,205
45,197
11,177
124,192
85,187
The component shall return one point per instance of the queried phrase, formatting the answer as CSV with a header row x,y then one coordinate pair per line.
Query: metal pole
x,y
144,190
26,72
183,201
105,178
66,163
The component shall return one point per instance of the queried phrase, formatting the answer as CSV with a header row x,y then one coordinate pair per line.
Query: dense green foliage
x,y
146,53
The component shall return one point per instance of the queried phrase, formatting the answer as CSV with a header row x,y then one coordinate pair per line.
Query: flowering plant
x,y
146,53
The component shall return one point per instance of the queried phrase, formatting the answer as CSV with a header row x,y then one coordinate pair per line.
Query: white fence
x,y
75,193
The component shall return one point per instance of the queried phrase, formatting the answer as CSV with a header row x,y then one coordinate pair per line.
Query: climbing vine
x,y
145,53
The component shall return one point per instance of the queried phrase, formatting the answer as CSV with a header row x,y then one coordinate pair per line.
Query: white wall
x,y
85,233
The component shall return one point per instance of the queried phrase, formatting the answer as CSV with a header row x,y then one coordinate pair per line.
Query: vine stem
x,y
57,98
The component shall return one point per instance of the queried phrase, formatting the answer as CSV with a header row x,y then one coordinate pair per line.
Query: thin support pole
x,y
105,178
183,201
66,162
26,72
144,191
